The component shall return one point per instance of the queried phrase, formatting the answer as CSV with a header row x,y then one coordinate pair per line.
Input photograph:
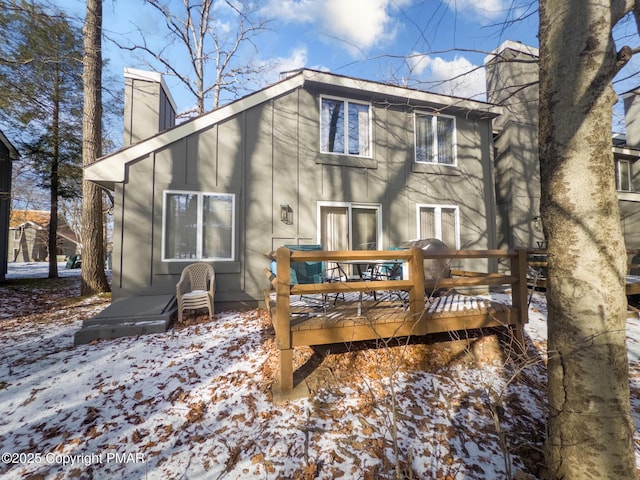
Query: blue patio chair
x,y
307,272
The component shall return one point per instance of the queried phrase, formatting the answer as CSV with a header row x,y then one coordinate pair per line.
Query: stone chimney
x,y
149,107
631,101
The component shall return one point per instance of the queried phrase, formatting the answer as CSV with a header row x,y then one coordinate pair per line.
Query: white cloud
x,y
296,59
358,24
482,10
457,77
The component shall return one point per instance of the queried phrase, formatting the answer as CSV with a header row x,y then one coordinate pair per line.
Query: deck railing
x,y
413,284
415,321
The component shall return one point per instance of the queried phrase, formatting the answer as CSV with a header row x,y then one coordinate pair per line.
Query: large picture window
x,y
441,222
345,127
198,226
435,139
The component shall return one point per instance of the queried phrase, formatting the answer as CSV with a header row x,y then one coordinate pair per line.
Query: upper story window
x,y
435,138
345,127
623,176
198,226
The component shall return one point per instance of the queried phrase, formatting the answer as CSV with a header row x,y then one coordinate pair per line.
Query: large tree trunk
x,y
94,279
590,431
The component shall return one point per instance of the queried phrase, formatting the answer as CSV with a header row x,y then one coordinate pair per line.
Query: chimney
x,y
512,82
631,101
149,107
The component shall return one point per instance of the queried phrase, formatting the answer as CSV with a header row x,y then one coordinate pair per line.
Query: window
x,y
198,226
623,175
441,222
350,226
345,127
435,139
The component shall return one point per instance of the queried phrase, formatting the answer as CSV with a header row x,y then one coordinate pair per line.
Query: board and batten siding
x,y
268,156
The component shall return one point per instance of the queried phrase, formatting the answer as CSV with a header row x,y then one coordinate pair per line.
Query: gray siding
x,y
269,155
512,81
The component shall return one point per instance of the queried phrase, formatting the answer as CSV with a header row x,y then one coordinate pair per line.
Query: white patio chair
x,y
196,288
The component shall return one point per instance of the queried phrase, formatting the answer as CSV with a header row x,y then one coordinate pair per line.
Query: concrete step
x,y
129,317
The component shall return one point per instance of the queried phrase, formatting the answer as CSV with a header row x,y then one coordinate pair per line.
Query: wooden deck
x,y
399,310
349,320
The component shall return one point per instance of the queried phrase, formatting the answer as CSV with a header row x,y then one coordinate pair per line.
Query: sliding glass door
x,y
350,226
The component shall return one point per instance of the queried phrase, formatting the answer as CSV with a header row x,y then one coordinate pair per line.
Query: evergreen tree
x,y
41,96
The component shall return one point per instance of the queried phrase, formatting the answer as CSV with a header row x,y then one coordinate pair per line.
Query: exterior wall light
x,y
537,223
286,214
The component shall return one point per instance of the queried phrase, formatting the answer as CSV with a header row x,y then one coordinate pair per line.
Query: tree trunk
x,y
590,431
54,178
94,279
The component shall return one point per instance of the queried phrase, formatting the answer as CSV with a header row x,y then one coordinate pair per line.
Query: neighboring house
x,y
512,82
315,158
29,236
8,154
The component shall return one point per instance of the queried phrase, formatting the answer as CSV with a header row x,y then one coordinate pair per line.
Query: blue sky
x,y
422,43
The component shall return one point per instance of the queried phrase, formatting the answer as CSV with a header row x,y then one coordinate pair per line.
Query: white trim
x,y
511,45
147,76
438,220
199,226
629,175
13,153
350,206
111,169
434,147
345,141
387,90
632,152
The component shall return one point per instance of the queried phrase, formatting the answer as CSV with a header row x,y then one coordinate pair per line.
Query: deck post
x,y
284,374
416,275
519,296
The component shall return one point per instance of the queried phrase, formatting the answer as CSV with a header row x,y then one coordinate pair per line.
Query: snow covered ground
x,y
196,403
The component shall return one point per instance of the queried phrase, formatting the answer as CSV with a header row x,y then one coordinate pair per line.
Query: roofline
x,y
105,173
511,45
67,237
13,152
390,90
632,152
39,226
630,93
110,169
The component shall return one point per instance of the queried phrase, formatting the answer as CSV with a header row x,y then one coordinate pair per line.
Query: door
x,y
347,226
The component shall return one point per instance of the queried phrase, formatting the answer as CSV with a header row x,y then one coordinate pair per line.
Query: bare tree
x,y
211,47
590,431
94,279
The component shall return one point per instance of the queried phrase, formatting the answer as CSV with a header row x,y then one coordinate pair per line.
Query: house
x,y
8,154
316,158
512,82
29,234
